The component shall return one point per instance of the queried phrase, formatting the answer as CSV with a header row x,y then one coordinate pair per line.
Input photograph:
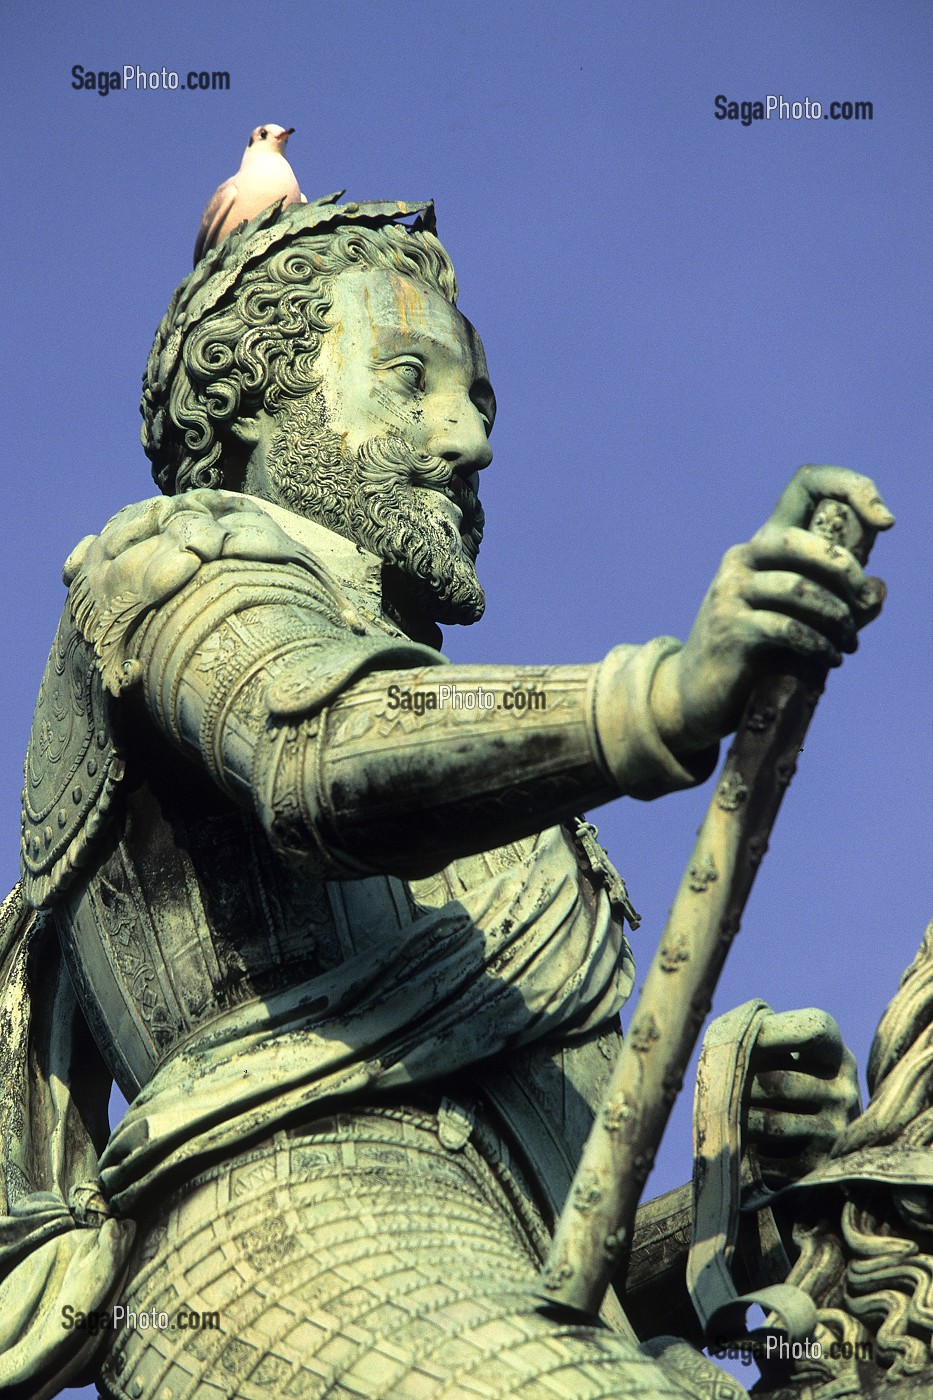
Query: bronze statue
x,y
319,902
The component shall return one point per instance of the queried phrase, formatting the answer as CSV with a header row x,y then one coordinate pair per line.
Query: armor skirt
x,y
360,1256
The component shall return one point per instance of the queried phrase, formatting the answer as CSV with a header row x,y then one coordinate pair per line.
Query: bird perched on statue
x,y
264,177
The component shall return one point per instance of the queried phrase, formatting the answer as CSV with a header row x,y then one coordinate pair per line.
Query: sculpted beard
x,y
379,498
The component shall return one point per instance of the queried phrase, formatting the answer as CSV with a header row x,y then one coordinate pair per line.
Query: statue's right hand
x,y
787,589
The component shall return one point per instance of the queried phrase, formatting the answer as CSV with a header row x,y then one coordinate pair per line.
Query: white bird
x,y
264,177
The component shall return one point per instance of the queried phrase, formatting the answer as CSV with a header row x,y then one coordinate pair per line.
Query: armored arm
x,y
356,747
407,769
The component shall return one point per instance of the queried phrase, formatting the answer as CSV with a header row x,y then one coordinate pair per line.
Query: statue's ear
x,y
246,429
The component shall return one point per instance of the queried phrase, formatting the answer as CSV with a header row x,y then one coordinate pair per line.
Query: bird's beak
x,y
285,134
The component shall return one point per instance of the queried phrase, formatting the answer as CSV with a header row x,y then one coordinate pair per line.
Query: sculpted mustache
x,y
391,452
364,495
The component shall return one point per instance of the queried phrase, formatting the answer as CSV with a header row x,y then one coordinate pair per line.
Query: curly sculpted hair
x,y
256,347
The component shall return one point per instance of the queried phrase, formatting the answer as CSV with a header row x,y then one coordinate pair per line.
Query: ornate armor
x,y
254,945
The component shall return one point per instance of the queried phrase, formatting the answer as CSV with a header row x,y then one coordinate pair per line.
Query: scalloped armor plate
x,y
73,767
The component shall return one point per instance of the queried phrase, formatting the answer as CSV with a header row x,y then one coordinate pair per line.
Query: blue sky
x,y
677,312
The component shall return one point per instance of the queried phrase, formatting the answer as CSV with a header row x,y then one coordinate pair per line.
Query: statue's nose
x,y
459,437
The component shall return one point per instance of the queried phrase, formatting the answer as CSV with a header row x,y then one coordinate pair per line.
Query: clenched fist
x,y
786,589
803,1094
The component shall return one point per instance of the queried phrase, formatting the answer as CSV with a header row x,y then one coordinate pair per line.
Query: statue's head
x,y
318,360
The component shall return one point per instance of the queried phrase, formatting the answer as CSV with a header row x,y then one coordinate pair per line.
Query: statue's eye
x,y
411,373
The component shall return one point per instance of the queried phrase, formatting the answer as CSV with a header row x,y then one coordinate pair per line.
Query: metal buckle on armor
x,y
604,872
455,1123
88,1205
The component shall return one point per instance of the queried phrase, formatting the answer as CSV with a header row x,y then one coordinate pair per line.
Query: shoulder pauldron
x,y
73,765
143,558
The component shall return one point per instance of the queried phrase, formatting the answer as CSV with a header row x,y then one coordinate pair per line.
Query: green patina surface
x,y
317,899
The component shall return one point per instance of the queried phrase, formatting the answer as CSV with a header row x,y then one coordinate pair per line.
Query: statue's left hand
x,y
804,1092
